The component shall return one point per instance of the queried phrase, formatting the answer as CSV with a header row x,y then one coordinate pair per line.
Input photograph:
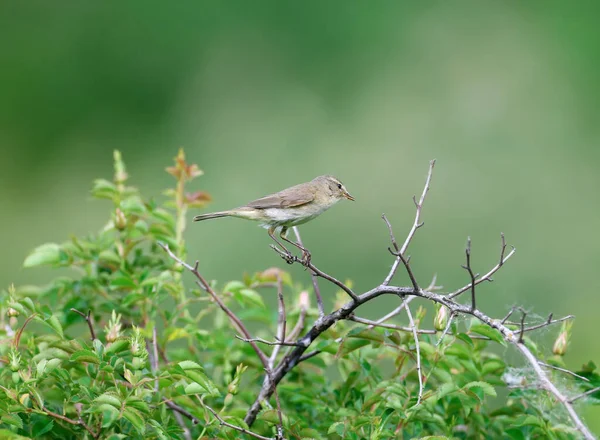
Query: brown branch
x,y
88,319
487,276
20,331
232,316
182,411
467,267
78,422
320,273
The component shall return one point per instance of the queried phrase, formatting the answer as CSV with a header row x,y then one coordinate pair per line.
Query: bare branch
x,y
587,393
329,278
418,351
416,225
446,329
182,411
88,319
237,428
232,316
78,422
372,324
467,267
264,341
487,276
281,323
546,323
563,370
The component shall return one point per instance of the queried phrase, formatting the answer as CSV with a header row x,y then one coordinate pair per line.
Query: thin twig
x,y
446,329
182,411
315,280
418,351
587,393
237,428
508,315
389,326
396,252
563,370
79,422
232,316
281,323
264,341
20,331
320,273
487,276
416,225
546,323
186,432
523,316
467,267
279,413
88,319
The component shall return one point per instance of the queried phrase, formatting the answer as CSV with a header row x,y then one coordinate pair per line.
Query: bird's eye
x,y
339,185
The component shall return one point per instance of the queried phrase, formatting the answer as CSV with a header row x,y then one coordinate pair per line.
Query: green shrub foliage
x,y
116,346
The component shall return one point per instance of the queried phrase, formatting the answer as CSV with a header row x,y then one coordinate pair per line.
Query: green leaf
x,y
48,253
337,428
54,324
135,418
133,205
368,334
85,356
109,414
103,189
109,256
118,346
190,365
42,428
465,338
492,333
351,345
109,399
195,388
123,282
251,297
529,420
12,419
484,386
5,434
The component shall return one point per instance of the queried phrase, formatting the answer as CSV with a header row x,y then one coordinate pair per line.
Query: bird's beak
x,y
348,196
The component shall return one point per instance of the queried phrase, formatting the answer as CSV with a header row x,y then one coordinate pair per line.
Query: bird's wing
x,y
284,199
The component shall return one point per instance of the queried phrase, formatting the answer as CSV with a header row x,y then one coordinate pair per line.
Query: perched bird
x,y
290,207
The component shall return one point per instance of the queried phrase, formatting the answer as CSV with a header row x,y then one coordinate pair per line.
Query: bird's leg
x,y
285,254
305,254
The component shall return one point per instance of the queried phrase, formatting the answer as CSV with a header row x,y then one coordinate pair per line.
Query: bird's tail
x,y
220,214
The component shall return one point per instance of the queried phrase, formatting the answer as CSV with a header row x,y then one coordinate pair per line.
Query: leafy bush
x,y
117,347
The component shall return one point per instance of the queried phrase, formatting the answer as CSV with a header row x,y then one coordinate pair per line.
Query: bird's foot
x,y
287,257
306,257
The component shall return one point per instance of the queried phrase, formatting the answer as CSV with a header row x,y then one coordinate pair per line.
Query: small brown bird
x,y
291,207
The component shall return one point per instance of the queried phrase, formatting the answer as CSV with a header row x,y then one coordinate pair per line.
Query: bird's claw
x,y
287,257
306,258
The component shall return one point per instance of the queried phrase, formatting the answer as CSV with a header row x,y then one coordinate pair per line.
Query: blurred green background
x,y
264,95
